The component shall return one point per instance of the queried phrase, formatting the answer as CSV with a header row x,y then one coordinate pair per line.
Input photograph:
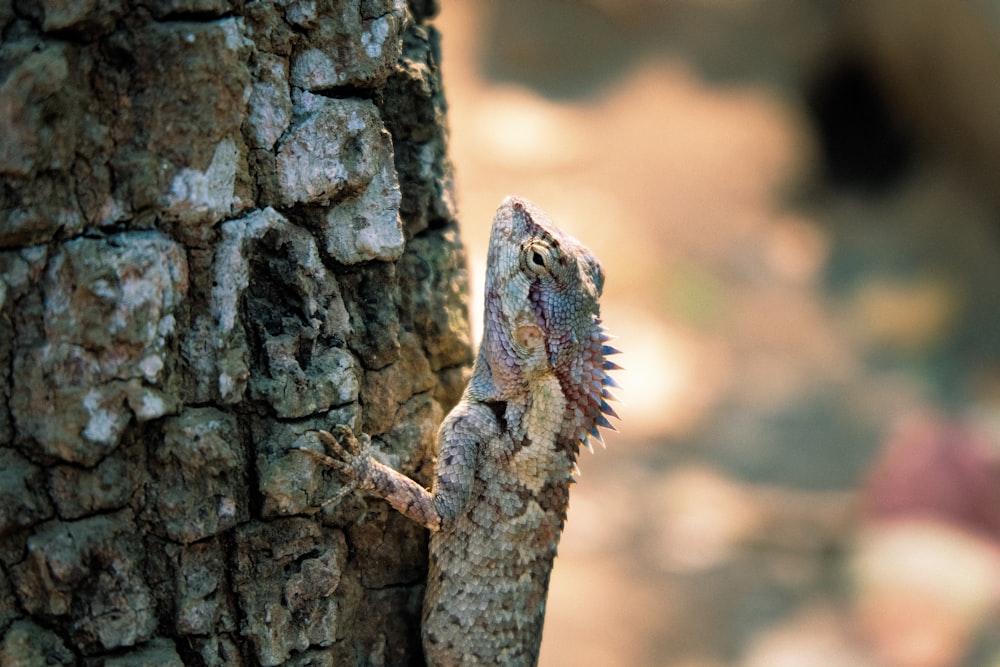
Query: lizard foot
x,y
348,454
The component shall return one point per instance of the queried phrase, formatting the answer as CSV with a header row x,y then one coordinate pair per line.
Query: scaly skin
x,y
508,450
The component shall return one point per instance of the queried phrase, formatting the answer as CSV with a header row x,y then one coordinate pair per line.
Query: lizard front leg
x,y
351,456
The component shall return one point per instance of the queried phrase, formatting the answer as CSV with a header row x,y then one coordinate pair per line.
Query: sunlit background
x,y
797,206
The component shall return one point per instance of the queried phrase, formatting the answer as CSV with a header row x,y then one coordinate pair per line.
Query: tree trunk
x,y
222,223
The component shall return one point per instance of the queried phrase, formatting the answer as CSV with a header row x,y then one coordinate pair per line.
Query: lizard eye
x,y
537,257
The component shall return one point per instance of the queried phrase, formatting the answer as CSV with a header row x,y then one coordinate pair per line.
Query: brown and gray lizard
x,y
507,451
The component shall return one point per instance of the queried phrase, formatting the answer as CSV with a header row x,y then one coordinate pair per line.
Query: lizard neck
x,y
581,381
494,381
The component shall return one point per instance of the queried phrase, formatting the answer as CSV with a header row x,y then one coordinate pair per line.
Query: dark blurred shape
x,y
937,469
864,148
937,61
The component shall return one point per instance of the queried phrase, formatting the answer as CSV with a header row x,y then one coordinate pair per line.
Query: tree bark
x,y
222,223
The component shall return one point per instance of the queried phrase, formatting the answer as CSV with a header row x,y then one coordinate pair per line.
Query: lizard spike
x,y
586,443
607,338
608,350
603,422
609,396
611,366
596,435
608,410
609,381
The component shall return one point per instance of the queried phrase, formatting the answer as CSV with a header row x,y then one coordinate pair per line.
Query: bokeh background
x,y
797,205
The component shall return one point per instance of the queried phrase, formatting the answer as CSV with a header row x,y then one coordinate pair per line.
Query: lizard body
x,y
507,451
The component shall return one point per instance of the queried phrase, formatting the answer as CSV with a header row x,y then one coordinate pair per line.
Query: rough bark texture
x,y
222,223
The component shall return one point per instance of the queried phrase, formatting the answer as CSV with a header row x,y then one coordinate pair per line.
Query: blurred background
x,y
797,205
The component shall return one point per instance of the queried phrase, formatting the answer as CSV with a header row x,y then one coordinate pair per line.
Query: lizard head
x,y
543,316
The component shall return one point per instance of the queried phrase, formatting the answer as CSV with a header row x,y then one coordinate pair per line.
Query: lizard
x,y
539,389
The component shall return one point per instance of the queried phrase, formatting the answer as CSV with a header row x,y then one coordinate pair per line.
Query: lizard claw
x,y
343,444
346,453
